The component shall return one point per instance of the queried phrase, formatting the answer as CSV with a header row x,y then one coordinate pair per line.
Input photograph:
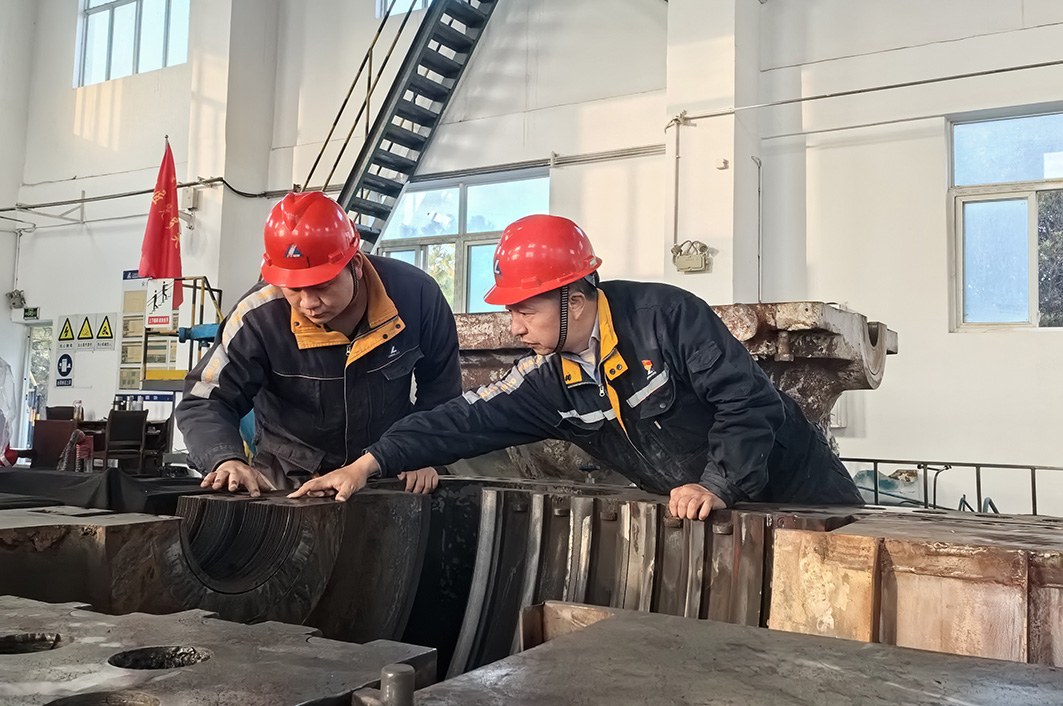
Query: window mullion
x,y
138,15
461,303
166,34
110,42
961,275
1034,284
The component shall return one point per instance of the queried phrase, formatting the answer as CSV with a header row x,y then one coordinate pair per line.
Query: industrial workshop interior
x,y
531,352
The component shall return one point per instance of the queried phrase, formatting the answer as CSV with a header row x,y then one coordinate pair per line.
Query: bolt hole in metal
x,y
107,698
23,643
159,658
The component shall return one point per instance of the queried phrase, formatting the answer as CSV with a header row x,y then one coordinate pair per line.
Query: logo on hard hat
x,y
292,251
498,269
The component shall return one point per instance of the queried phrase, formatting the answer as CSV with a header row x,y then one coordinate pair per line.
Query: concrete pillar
x,y
233,53
713,65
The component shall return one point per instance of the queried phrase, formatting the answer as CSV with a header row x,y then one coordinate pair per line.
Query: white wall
x,y
540,84
859,215
15,56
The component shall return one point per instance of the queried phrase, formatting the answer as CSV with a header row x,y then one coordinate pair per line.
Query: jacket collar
x,y
612,363
382,317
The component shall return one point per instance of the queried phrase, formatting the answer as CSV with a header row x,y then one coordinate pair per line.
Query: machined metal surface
x,y
65,654
624,657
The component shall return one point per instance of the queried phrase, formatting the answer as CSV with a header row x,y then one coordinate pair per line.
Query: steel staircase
x,y
409,115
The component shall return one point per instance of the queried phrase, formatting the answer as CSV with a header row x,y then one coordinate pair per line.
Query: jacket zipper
x,y
346,416
623,430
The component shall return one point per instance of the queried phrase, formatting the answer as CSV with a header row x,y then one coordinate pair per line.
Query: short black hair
x,y
585,287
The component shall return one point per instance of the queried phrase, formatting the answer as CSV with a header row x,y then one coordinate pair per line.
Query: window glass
x,y
122,40
996,261
152,33
407,256
1017,149
492,207
439,263
420,214
94,65
1050,257
177,48
481,277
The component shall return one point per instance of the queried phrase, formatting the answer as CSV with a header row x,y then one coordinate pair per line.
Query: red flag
x,y
160,256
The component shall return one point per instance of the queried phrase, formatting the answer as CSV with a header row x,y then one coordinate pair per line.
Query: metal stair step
x,y
440,64
390,160
368,233
428,88
382,185
465,13
406,138
453,38
418,114
369,208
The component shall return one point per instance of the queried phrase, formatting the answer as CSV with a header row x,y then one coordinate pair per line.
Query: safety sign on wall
x,y
86,339
105,332
86,332
65,340
64,370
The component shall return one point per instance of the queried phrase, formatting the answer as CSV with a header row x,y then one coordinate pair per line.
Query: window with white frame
x,y
450,230
1007,188
401,7
124,37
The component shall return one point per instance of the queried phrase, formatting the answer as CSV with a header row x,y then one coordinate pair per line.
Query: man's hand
x,y
693,502
342,482
420,482
235,475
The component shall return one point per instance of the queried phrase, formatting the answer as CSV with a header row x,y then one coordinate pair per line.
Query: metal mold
x,y
141,658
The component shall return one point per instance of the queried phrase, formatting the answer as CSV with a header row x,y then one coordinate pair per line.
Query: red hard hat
x,y
538,254
309,240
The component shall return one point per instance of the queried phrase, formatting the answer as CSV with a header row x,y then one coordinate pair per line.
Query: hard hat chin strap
x,y
354,276
563,336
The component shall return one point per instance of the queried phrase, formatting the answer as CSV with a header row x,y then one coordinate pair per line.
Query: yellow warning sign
x,y
67,334
104,331
85,333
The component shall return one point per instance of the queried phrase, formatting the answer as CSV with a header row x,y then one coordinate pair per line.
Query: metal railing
x,y
930,489
365,107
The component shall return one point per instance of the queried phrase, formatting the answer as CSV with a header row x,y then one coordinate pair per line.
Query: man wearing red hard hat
x,y
325,349
642,376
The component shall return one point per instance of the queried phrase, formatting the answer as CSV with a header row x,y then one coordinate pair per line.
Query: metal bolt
x,y
397,684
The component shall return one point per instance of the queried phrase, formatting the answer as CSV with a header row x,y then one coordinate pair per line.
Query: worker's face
x,y
324,302
537,321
